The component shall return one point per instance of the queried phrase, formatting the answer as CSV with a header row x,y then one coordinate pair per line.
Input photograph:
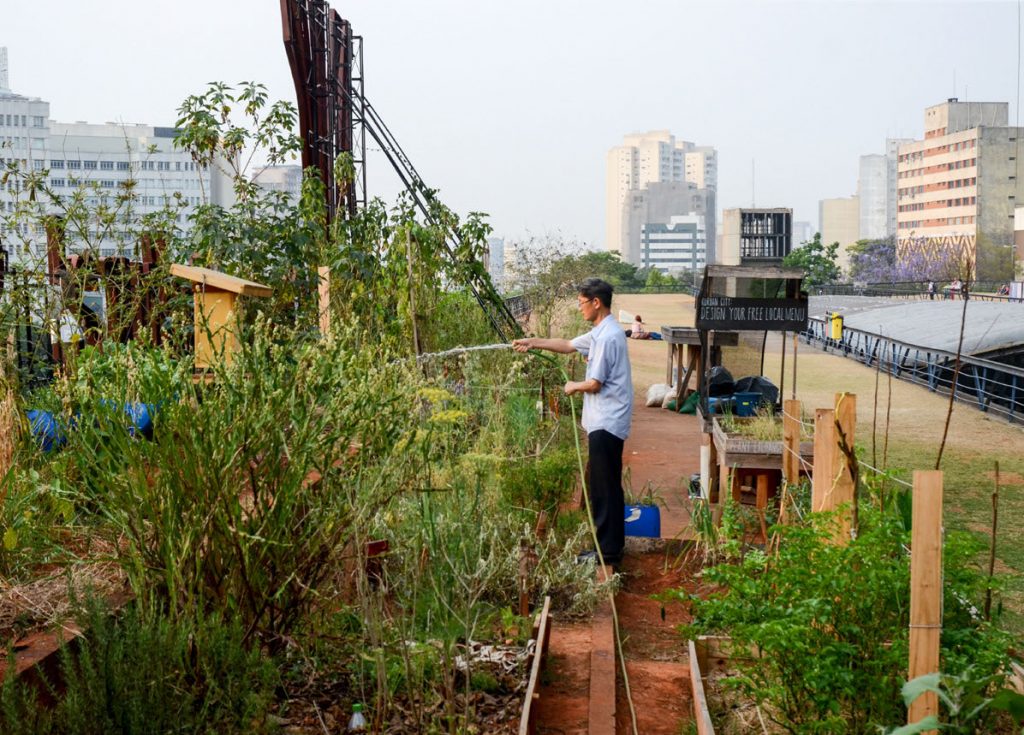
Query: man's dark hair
x,y
595,288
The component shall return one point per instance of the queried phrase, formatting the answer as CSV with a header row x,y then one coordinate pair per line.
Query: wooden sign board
x,y
738,314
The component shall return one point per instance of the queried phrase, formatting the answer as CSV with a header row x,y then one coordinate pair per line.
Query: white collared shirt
x,y
611,408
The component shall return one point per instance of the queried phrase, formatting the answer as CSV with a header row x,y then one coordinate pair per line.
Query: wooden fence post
x,y
791,441
324,301
846,424
825,450
925,587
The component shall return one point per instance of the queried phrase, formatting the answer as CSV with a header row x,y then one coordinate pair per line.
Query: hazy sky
x,y
510,107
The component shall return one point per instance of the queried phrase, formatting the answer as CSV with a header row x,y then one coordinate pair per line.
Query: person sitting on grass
x,y
638,330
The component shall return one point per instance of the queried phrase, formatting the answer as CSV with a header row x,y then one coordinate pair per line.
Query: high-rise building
x,y
645,160
657,204
876,190
958,186
95,160
752,236
839,221
873,193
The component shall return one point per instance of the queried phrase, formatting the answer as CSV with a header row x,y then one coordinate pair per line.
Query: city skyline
x,y
508,110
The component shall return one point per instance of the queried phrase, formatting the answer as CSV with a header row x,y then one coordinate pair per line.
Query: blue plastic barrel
x,y
643,520
45,429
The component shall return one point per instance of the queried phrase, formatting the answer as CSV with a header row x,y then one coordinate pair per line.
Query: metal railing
x,y
911,290
989,386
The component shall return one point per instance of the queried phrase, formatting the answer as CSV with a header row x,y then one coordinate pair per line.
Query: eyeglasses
x,y
581,304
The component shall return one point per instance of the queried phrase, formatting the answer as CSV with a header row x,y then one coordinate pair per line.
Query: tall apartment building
x,y
839,221
876,191
645,160
95,159
752,236
958,186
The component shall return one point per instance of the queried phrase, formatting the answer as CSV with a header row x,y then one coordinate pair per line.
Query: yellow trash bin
x,y
837,326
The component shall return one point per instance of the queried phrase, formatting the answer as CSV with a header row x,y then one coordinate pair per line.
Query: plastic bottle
x,y
357,723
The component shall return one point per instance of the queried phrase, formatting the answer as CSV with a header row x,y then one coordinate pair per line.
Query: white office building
x,y
285,177
95,162
676,246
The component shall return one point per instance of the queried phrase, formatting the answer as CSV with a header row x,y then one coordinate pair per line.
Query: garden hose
x,y
593,534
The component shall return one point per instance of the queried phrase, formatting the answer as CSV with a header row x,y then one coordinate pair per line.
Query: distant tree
x,y
873,261
993,261
817,260
548,271
656,280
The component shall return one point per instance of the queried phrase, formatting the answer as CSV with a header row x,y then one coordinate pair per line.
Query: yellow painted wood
x,y
214,326
217,280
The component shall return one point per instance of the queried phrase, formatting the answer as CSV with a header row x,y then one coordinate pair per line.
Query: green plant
x,y
971,700
141,674
829,623
222,512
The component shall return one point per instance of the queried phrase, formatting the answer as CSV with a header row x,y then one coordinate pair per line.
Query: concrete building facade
x,y
657,204
876,190
839,221
285,177
957,188
676,246
646,160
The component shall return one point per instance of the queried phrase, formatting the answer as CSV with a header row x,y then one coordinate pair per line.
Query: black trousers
x,y
607,502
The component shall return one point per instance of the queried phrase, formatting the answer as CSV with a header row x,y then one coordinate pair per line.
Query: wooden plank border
x,y
542,633
701,715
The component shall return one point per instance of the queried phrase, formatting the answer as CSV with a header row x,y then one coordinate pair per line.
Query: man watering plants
x,y
607,409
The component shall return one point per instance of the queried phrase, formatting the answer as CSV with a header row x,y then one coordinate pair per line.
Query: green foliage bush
x,y
829,622
143,675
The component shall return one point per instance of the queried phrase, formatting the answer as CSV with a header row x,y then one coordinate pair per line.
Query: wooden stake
x,y
762,504
925,587
846,467
825,449
992,546
324,288
791,440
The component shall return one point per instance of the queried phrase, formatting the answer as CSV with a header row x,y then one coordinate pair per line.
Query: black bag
x,y
759,384
719,382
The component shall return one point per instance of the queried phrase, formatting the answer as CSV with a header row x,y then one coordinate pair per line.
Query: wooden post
x,y
795,342
324,290
925,587
825,449
846,424
791,440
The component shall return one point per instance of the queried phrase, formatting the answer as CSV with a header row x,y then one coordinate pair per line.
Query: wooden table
x,y
685,341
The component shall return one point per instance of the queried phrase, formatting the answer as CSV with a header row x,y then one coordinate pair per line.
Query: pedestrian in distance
x,y
931,290
607,390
